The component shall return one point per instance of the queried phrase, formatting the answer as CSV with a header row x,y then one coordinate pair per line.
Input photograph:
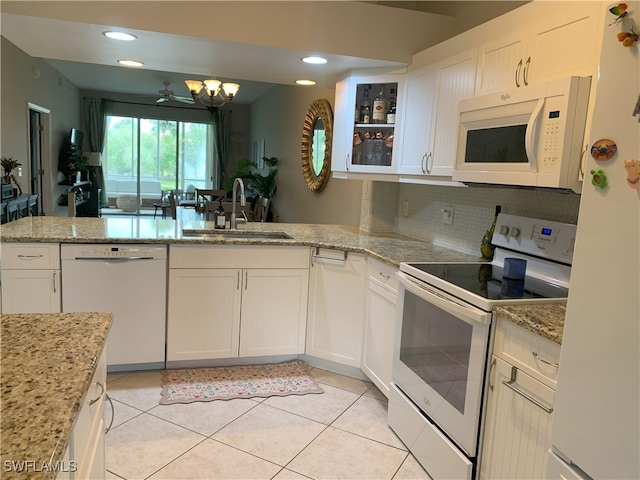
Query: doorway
x,y
39,153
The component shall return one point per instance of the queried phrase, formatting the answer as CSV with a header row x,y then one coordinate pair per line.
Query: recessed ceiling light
x,y
315,60
305,82
130,63
119,36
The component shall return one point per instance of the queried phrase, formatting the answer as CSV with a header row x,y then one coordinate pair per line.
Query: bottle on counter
x,y
380,106
486,247
220,219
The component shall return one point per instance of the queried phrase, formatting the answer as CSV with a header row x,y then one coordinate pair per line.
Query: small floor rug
x,y
242,381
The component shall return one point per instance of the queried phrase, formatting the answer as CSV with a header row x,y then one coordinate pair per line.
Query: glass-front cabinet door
x,y
365,124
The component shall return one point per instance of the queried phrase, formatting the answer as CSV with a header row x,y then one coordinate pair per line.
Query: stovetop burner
x,y
485,280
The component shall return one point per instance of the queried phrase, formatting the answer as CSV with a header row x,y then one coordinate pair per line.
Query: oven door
x,y
440,358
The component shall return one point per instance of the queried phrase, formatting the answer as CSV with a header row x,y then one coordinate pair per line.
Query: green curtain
x,y
221,124
95,121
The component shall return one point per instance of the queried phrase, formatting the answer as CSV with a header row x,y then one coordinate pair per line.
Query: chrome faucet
x,y
234,219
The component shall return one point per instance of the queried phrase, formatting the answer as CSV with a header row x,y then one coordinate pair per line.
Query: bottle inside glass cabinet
x,y
380,105
374,125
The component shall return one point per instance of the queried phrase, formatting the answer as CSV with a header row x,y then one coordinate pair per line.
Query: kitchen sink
x,y
231,234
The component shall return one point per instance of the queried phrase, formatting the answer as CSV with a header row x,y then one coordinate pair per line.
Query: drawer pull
x,y
538,358
512,385
91,402
327,257
385,276
29,257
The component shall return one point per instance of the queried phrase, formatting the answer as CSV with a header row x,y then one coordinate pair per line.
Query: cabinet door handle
x,y
246,279
493,364
518,68
525,74
583,162
512,385
238,284
429,156
91,402
423,162
348,161
538,358
55,282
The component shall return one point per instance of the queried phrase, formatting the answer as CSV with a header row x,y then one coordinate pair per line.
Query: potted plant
x,y
72,161
263,185
8,165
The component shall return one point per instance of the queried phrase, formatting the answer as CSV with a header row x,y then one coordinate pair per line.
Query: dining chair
x,y
204,195
172,205
32,205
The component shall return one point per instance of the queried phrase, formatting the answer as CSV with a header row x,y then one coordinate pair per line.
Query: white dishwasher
x,y
129,280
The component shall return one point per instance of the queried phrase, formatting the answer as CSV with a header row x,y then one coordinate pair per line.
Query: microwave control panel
x,y
534,236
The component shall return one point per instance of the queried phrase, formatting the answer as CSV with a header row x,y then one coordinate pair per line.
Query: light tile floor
x,y
340,434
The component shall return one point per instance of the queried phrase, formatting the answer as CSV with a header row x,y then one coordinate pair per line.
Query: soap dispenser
x,y
220,219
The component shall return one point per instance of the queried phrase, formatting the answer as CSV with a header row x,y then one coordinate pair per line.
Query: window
x,y
177,154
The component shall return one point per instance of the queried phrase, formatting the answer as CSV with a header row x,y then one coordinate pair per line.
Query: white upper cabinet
x,y
457,74
430,125
364,142
418,126
562,44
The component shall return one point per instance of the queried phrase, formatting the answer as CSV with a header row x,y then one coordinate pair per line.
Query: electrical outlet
x,y
447,215
405,208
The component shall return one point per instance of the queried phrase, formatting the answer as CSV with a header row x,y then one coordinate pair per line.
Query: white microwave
x,y
531,136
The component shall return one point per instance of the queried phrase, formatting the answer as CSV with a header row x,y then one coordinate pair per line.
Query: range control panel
x,y
533,236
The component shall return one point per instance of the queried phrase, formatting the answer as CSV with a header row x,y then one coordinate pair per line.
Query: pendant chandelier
x,y
212,93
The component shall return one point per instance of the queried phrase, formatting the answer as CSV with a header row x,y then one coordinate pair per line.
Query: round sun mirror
x,y
316,145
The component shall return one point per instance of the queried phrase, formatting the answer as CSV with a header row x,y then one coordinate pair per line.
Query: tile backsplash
x,y
417,210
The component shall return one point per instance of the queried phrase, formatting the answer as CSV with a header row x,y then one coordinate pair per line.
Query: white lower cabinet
x,y
379,328
220,312
31,278
520,403
336,306
85,455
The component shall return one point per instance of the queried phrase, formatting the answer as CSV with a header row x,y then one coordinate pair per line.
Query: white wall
x,y
278,119
31,80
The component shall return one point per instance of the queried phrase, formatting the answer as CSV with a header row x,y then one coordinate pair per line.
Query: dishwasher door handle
x,y
114,260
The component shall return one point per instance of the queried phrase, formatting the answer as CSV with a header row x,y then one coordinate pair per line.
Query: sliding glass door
x,y
144,158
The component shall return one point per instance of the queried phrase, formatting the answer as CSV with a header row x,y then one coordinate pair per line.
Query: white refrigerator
x,y
596,422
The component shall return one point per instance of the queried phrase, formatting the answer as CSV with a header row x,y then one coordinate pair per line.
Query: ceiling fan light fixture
x,y
130,63
127,37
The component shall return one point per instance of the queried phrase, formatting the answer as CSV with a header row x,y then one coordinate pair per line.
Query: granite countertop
x,y
545,319
48,361
390,248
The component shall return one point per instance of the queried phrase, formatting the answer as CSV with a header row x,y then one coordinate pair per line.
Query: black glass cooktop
x,y
485,280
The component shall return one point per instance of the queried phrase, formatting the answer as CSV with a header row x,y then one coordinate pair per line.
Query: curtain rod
x,y
156,105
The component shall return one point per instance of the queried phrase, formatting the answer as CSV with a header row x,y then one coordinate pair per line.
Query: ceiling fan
x,y
166,95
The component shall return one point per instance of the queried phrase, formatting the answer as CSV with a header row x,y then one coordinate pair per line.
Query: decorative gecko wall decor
x,y
633,173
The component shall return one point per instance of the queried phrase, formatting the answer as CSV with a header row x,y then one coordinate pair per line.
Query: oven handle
x,y
448,303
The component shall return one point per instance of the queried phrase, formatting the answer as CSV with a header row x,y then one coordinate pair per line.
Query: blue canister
x,y
514,268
